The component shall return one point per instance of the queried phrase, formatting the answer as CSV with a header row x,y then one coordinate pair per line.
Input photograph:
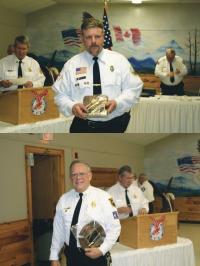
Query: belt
x,y
98,124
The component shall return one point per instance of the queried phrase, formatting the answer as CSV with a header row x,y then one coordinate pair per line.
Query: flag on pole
x,y
107,35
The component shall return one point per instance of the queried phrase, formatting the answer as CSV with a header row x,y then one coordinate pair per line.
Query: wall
x,y
160,158
11,24
46,24
97,150
160,25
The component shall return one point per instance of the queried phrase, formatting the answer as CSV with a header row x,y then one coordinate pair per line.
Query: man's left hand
x,y
93,253
28,84
111,105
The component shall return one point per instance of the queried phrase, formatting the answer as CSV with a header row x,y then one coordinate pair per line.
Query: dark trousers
x,y
172,89
77,257
151,207
115,125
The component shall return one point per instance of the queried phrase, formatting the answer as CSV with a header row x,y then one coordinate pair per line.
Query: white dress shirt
x,y
96,205
30,71
163,69
147,190
136,197
117,82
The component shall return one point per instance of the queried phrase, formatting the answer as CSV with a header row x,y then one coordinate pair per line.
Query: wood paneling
x,y
152,82
188,208
15,243
104,177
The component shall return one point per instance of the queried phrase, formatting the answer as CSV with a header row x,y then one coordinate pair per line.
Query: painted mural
x,y
186,178
142,47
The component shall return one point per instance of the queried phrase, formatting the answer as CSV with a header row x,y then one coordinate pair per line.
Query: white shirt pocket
x,y
9,75
28,74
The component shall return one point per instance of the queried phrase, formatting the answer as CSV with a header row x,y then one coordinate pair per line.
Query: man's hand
x,y
111,105
127,210
28,84
142,211
93,253
55,263
171,74
5,83
79,110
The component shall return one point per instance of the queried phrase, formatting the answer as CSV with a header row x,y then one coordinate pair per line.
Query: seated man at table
x,y
171,71
19,70
128,198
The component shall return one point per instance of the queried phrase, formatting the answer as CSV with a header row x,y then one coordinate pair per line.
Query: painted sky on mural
x,y
142,54
186,180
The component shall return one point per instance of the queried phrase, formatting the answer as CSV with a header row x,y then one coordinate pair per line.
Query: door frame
x,y
61,167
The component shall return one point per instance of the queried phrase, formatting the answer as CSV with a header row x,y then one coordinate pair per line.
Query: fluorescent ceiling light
x,y
136,1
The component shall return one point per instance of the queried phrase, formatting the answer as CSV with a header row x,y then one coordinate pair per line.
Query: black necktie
x,y
128,201
171,70
72,239
20,72
96,77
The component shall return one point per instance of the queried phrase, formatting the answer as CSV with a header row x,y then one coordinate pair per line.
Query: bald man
x,y
171,71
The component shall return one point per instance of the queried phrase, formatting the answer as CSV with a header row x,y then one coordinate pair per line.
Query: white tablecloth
x,y
168,114
152,115
179,254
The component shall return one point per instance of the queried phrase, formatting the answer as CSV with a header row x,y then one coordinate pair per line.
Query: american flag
x,y
107,35
189,164
81,70
72,37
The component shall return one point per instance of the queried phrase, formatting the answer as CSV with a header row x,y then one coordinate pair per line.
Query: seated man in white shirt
x,y
19,66
128,198
147,189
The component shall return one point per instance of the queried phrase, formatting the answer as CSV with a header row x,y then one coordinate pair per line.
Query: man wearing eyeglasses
x,y
127,196
84,204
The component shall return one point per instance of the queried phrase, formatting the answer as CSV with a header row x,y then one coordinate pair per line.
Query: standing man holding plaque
x,y
86,221
128,198
105,75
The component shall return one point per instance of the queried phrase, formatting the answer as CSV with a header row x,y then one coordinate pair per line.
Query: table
x,y
179,254
166,114
160,114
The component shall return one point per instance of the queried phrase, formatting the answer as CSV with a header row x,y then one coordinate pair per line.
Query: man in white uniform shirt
x,y
147,189
115,80
19,65
94,205
171,71
128,198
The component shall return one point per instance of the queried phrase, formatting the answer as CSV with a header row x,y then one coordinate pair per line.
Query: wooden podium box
x,y
28,105
149,230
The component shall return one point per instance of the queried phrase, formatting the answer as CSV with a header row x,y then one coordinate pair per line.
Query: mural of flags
x,y
107,35
72,37
189,164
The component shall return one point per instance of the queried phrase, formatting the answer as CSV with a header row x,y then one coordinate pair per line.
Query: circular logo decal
x,y
38,106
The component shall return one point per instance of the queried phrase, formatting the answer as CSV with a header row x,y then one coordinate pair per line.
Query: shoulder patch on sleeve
x,y
112,202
